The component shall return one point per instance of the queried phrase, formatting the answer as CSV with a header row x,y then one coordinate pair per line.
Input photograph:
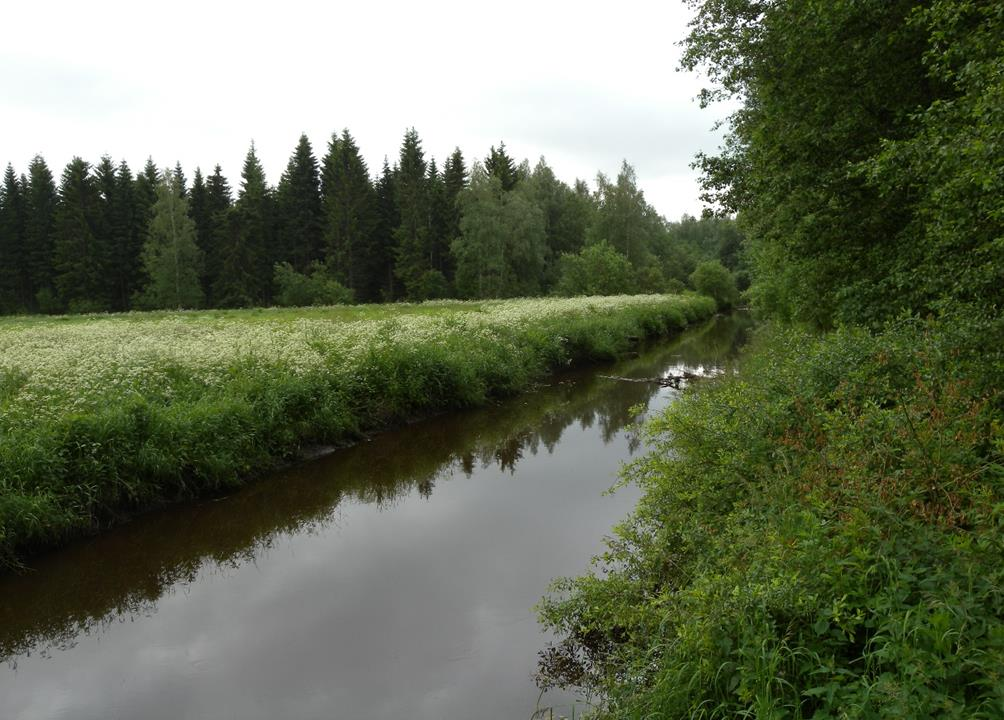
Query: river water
x,y
393,579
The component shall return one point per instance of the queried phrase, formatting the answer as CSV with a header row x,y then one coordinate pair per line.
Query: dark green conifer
x,y
39,222
14,288
246,273
439,219
126,241
219,200
384,253
412,233
80,273
454,181
350,215
179,180
499,164
198,199
298,209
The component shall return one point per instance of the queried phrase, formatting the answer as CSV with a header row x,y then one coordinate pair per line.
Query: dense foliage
x,y
820,534
865,159
416,232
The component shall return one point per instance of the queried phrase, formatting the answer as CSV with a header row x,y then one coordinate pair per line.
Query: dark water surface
x,y
394,579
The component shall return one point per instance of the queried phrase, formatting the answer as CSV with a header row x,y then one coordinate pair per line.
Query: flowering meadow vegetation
x,y
104,416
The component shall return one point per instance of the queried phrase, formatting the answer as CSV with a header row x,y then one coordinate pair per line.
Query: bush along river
x,y
392,579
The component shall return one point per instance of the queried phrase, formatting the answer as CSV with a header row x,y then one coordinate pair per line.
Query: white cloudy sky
x,y
585,84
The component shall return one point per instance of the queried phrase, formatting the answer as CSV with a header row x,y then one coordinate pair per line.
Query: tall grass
x,y
820,536
102,417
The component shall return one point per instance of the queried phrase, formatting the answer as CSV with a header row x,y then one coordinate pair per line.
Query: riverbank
x,y
103,417
820,536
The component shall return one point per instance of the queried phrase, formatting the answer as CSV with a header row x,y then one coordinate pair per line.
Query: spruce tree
x,y
198,199
412,233
79,255
14,289
298,209
179,180
172,260
119,240
219,200
440,260
39,223
384,250
454,182
350,214
499,164
247,241
104,181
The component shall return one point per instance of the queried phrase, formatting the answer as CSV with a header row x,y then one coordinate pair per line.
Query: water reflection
x,y
350,586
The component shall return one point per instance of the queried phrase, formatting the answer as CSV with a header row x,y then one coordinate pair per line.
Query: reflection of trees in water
x,y
126,572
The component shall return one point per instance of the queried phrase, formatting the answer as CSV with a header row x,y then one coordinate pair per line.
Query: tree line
x,y
104,239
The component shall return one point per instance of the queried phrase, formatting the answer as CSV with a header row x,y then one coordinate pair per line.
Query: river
x,y
392,579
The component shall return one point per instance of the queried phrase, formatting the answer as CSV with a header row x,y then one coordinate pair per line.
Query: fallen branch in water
x,y
670,381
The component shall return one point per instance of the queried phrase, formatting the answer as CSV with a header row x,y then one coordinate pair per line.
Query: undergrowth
x,y
821,536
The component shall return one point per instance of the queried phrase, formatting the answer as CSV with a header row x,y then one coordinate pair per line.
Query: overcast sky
x,y
585,84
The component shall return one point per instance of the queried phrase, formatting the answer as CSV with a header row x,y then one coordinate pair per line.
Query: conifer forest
x,y
103,239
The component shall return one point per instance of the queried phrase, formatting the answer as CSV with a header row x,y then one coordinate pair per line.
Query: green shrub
x,y
316,287
713,279
820,536
598,269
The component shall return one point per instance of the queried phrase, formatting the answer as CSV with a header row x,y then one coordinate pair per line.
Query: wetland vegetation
x,y
106,416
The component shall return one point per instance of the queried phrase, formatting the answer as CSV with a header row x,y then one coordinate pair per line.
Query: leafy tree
x,y
624,219
502,243
40,199
79,254
350,214
567,216
824,87
598,269
298,209
713,279
950,164
692,240
172,260
315,287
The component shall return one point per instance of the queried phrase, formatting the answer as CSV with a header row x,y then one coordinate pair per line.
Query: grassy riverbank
x,y
106,415
821,536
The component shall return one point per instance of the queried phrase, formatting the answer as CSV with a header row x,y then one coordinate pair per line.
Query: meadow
x,y
104,416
